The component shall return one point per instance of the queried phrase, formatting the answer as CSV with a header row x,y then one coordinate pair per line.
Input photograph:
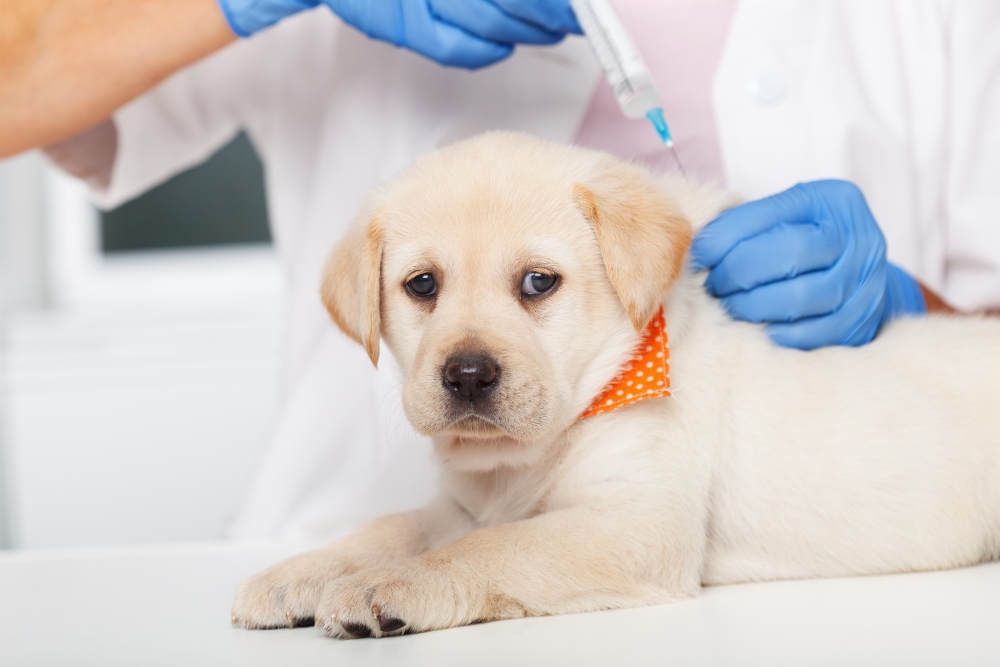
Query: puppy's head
x,y
510,277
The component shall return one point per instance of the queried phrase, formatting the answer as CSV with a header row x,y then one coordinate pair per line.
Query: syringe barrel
x,y
626,71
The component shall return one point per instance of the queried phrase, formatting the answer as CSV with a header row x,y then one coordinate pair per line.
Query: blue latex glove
x,y
809,261
460,33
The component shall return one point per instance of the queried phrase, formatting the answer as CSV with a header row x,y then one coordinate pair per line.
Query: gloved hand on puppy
x,y
810,262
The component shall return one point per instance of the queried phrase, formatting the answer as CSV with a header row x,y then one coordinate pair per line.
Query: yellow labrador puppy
x,y
513,280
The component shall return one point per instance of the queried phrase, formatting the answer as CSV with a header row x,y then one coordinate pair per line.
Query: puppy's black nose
x,y
470,376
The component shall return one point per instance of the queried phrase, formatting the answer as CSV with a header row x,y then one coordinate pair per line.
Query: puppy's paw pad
x,y
357,629
395,600
300,621
387,623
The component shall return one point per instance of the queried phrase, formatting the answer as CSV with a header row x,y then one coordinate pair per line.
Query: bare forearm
x,y
66,65
936,304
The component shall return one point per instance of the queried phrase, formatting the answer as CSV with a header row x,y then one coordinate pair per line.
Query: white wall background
x,y
135,393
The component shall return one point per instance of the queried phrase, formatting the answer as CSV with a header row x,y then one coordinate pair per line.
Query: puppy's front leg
x,y
287,594
566,561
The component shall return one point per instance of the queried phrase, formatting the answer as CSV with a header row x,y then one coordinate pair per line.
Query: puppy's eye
x,y
422,285
538,283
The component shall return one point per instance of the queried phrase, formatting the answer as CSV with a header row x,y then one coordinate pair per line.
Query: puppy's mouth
x,y
513,415
475,436
475,426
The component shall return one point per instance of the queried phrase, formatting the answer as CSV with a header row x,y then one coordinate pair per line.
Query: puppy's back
x,y
883,458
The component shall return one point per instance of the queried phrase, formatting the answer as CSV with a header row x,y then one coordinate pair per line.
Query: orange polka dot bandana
x,y
646,374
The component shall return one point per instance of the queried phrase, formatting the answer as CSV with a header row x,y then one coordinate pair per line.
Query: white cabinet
x,y
135,427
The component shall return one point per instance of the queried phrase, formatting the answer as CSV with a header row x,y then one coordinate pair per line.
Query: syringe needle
x,y
655,117
677,159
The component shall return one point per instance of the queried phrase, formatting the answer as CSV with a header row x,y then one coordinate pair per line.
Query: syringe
x,y
626,70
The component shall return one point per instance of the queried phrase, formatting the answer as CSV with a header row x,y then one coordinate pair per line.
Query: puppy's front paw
x,y
399,599
286,595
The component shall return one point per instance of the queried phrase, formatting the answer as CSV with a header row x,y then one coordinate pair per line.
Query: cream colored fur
x,y
767,463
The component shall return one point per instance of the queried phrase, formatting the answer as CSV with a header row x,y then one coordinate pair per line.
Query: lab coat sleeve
x,y
972,197
188,117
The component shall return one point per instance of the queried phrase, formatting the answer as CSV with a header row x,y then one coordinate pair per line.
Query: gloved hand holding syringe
x,y
626,71
477,33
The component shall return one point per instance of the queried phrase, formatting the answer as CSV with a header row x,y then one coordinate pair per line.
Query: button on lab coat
x,y
901,97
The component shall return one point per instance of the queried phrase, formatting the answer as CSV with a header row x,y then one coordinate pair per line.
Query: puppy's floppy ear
x,y
643,237
352,283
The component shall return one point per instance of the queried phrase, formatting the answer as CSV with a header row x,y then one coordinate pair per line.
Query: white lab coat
x,y
901,97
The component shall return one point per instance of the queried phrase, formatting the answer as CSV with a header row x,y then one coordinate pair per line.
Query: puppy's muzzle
x,y
470,376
